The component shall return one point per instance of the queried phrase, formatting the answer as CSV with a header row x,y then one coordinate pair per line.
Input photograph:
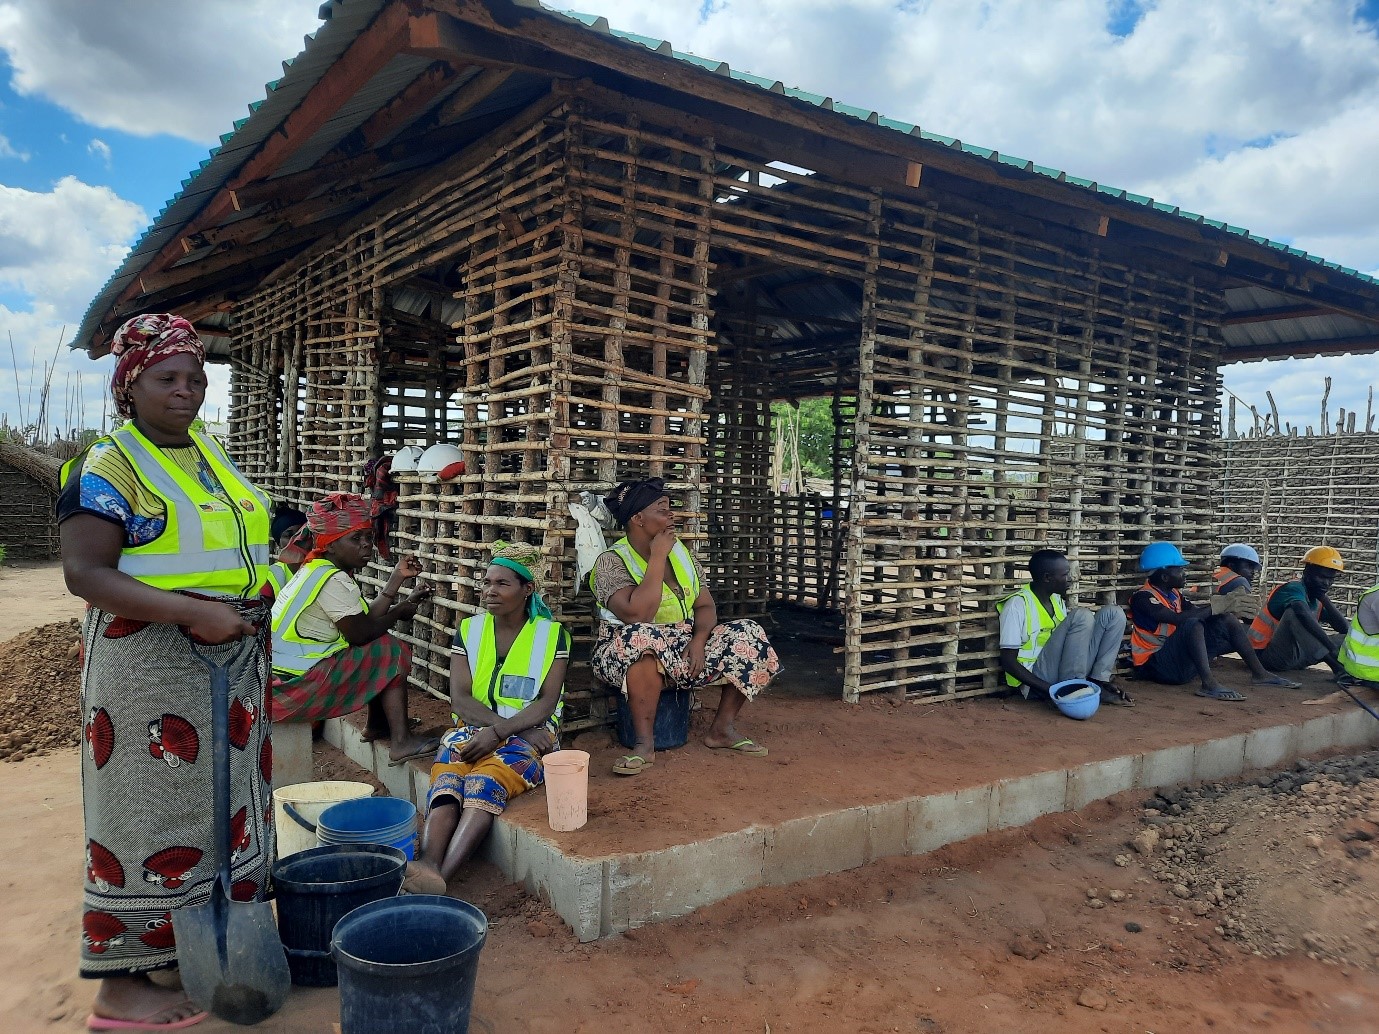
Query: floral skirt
x,y
737,651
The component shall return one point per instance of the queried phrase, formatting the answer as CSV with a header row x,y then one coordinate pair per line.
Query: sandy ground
x,y
33,594
916,944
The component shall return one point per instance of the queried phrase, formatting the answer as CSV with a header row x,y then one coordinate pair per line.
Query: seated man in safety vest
x,y
332,653
1043,643
1173,640
1288,634
1360,651
1239,567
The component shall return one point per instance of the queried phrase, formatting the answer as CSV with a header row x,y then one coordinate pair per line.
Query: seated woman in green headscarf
x,y
507,672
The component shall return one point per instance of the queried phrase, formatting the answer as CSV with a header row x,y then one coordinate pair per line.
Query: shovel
x,y
230,956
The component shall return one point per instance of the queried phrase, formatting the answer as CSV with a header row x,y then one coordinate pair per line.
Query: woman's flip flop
x,y
746,746
94,1022
631,764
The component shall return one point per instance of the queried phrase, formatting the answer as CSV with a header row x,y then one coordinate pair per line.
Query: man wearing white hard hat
x,y
1173,640
1240,566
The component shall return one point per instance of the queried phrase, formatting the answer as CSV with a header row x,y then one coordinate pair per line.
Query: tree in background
x,y
815,418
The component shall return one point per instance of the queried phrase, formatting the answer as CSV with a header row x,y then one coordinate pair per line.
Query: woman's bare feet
x,y
423,878
138,998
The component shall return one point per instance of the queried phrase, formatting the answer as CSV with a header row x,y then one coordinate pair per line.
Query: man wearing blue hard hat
x,y
1173,640
1239,567
1044,643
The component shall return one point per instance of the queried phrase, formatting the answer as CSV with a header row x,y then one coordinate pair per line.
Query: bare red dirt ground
x,y
995,934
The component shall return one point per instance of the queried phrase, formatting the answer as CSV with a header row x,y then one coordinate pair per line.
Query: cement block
x,y
500,848
291,753
1317,735
573,887
1021,801
355,749
1270,748
946,818
332,732
1171,766
421,786
888,829
656,885
1355,728
1222,758
1102,779
397,779
816,844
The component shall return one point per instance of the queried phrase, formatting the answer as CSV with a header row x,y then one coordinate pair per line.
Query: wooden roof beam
x,y
1287,349
216,262
1286,312
370,52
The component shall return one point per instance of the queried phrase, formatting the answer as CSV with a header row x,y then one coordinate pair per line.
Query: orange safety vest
x,y
1224,576
1144,645
1263,627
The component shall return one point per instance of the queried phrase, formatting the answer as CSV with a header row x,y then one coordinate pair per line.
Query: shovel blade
x,y
231,960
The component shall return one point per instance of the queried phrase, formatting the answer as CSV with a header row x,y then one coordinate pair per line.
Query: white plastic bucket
x,y
308,800
567,789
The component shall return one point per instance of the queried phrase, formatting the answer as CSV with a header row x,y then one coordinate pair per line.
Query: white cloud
x,y
156,66
60,246
100,149
7,150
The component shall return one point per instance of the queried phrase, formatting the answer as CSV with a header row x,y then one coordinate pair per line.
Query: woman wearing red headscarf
x,y
331,649
168,544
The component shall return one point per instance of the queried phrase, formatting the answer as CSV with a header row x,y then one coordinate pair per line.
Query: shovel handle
x,y
1346,690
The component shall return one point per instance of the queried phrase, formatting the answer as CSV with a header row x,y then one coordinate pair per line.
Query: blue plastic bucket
x,y
672,720
407,965
319,886
390,821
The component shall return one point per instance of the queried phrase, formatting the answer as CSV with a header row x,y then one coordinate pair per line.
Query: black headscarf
x,y
285,518
632,497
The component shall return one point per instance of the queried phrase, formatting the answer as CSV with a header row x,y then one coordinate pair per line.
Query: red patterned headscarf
x,y
146,341
334,516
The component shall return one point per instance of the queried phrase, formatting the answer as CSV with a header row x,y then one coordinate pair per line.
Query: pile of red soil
x,y
40,691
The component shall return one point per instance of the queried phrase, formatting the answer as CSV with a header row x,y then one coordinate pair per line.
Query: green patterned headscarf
x,y
529,564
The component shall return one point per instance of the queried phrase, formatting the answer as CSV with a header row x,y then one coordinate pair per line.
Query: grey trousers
x,y
1084,646
1293,647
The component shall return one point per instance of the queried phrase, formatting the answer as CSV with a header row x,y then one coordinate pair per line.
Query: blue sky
x,y
1262,113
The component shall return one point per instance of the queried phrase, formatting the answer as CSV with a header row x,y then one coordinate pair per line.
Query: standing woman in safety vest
x,y
331,649
168,544
659,627
507,672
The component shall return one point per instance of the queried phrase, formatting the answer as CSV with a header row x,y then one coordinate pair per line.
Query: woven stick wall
x,y
997,393
1284,494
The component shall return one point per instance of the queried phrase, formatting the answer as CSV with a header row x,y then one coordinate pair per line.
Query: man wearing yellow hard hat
x,y
1287,634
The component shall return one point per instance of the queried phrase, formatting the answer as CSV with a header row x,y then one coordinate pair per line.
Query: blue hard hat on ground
x,y
1161,554
1076,698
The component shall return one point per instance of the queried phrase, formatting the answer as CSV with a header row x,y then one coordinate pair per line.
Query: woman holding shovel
x,y
168,543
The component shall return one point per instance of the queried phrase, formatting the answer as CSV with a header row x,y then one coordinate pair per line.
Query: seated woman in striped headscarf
x,y
507,673
332,653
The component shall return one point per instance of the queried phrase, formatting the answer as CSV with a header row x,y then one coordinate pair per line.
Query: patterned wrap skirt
x,y
148,785
489,783
737,651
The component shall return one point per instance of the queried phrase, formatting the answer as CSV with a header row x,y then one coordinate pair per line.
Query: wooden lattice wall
x,y
1284,494
28,522
1003,392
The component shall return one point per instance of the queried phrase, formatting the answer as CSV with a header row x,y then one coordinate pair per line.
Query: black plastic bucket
x,y
316,888
408,965
672,720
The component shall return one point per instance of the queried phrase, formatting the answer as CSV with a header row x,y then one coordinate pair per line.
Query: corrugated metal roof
x,y
344,20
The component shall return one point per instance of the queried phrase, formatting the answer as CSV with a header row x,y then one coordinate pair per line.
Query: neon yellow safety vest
x,y
509,689
673,609
1036,632
278,577
293,653
207,545
1360,651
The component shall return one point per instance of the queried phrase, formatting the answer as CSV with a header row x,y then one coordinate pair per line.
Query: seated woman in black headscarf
x,y
660,627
